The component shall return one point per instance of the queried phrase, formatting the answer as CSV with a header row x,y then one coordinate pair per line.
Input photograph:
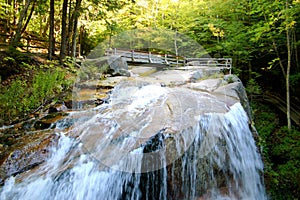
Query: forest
x,y
40,41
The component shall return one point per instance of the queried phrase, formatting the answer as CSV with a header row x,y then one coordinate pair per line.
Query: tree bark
x,y
29,17
7,27
76,15
63,44
278,55
81,41
175,46
289,51
16,39
70,27
51,50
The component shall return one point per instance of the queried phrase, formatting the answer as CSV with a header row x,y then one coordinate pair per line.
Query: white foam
x,y
146,95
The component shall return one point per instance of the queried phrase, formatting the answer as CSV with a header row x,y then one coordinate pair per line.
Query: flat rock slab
x,y
208,85
139,107
138,111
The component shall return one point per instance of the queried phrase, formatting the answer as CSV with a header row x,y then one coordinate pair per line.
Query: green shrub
x,y
286,162
11,98
280,152
22,97
46,84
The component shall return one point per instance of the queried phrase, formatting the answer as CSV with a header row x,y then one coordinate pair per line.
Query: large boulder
x,y
179,135
164,102
168,99
118,65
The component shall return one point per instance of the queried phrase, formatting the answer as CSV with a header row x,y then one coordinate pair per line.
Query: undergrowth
x,y
280,149
26,93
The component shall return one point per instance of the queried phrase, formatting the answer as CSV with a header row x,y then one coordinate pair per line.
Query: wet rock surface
x,y
26,144
181,96
29,151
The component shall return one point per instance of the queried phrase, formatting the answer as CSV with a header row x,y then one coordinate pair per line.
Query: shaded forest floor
x,y
15,64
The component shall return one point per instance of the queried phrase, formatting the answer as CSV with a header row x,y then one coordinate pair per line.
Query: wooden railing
x,y
28,42
225,63
137,56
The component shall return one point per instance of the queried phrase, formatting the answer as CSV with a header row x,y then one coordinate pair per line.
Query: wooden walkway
x,y
135,56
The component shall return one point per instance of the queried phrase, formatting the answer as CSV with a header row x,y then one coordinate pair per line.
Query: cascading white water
x,y
216,158
66,176
231,169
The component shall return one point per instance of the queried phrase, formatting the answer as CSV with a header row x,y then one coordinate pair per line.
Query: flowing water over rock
x,y
151,140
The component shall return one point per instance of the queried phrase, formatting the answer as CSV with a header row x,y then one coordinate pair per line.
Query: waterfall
x,y
213,158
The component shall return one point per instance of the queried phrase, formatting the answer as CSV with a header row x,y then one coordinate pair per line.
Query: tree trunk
x,y
175,44
63,44
7,27
15,13
278,55
51,50
289,51
16,39
288,105
81,40
76,16
70,27
29,17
